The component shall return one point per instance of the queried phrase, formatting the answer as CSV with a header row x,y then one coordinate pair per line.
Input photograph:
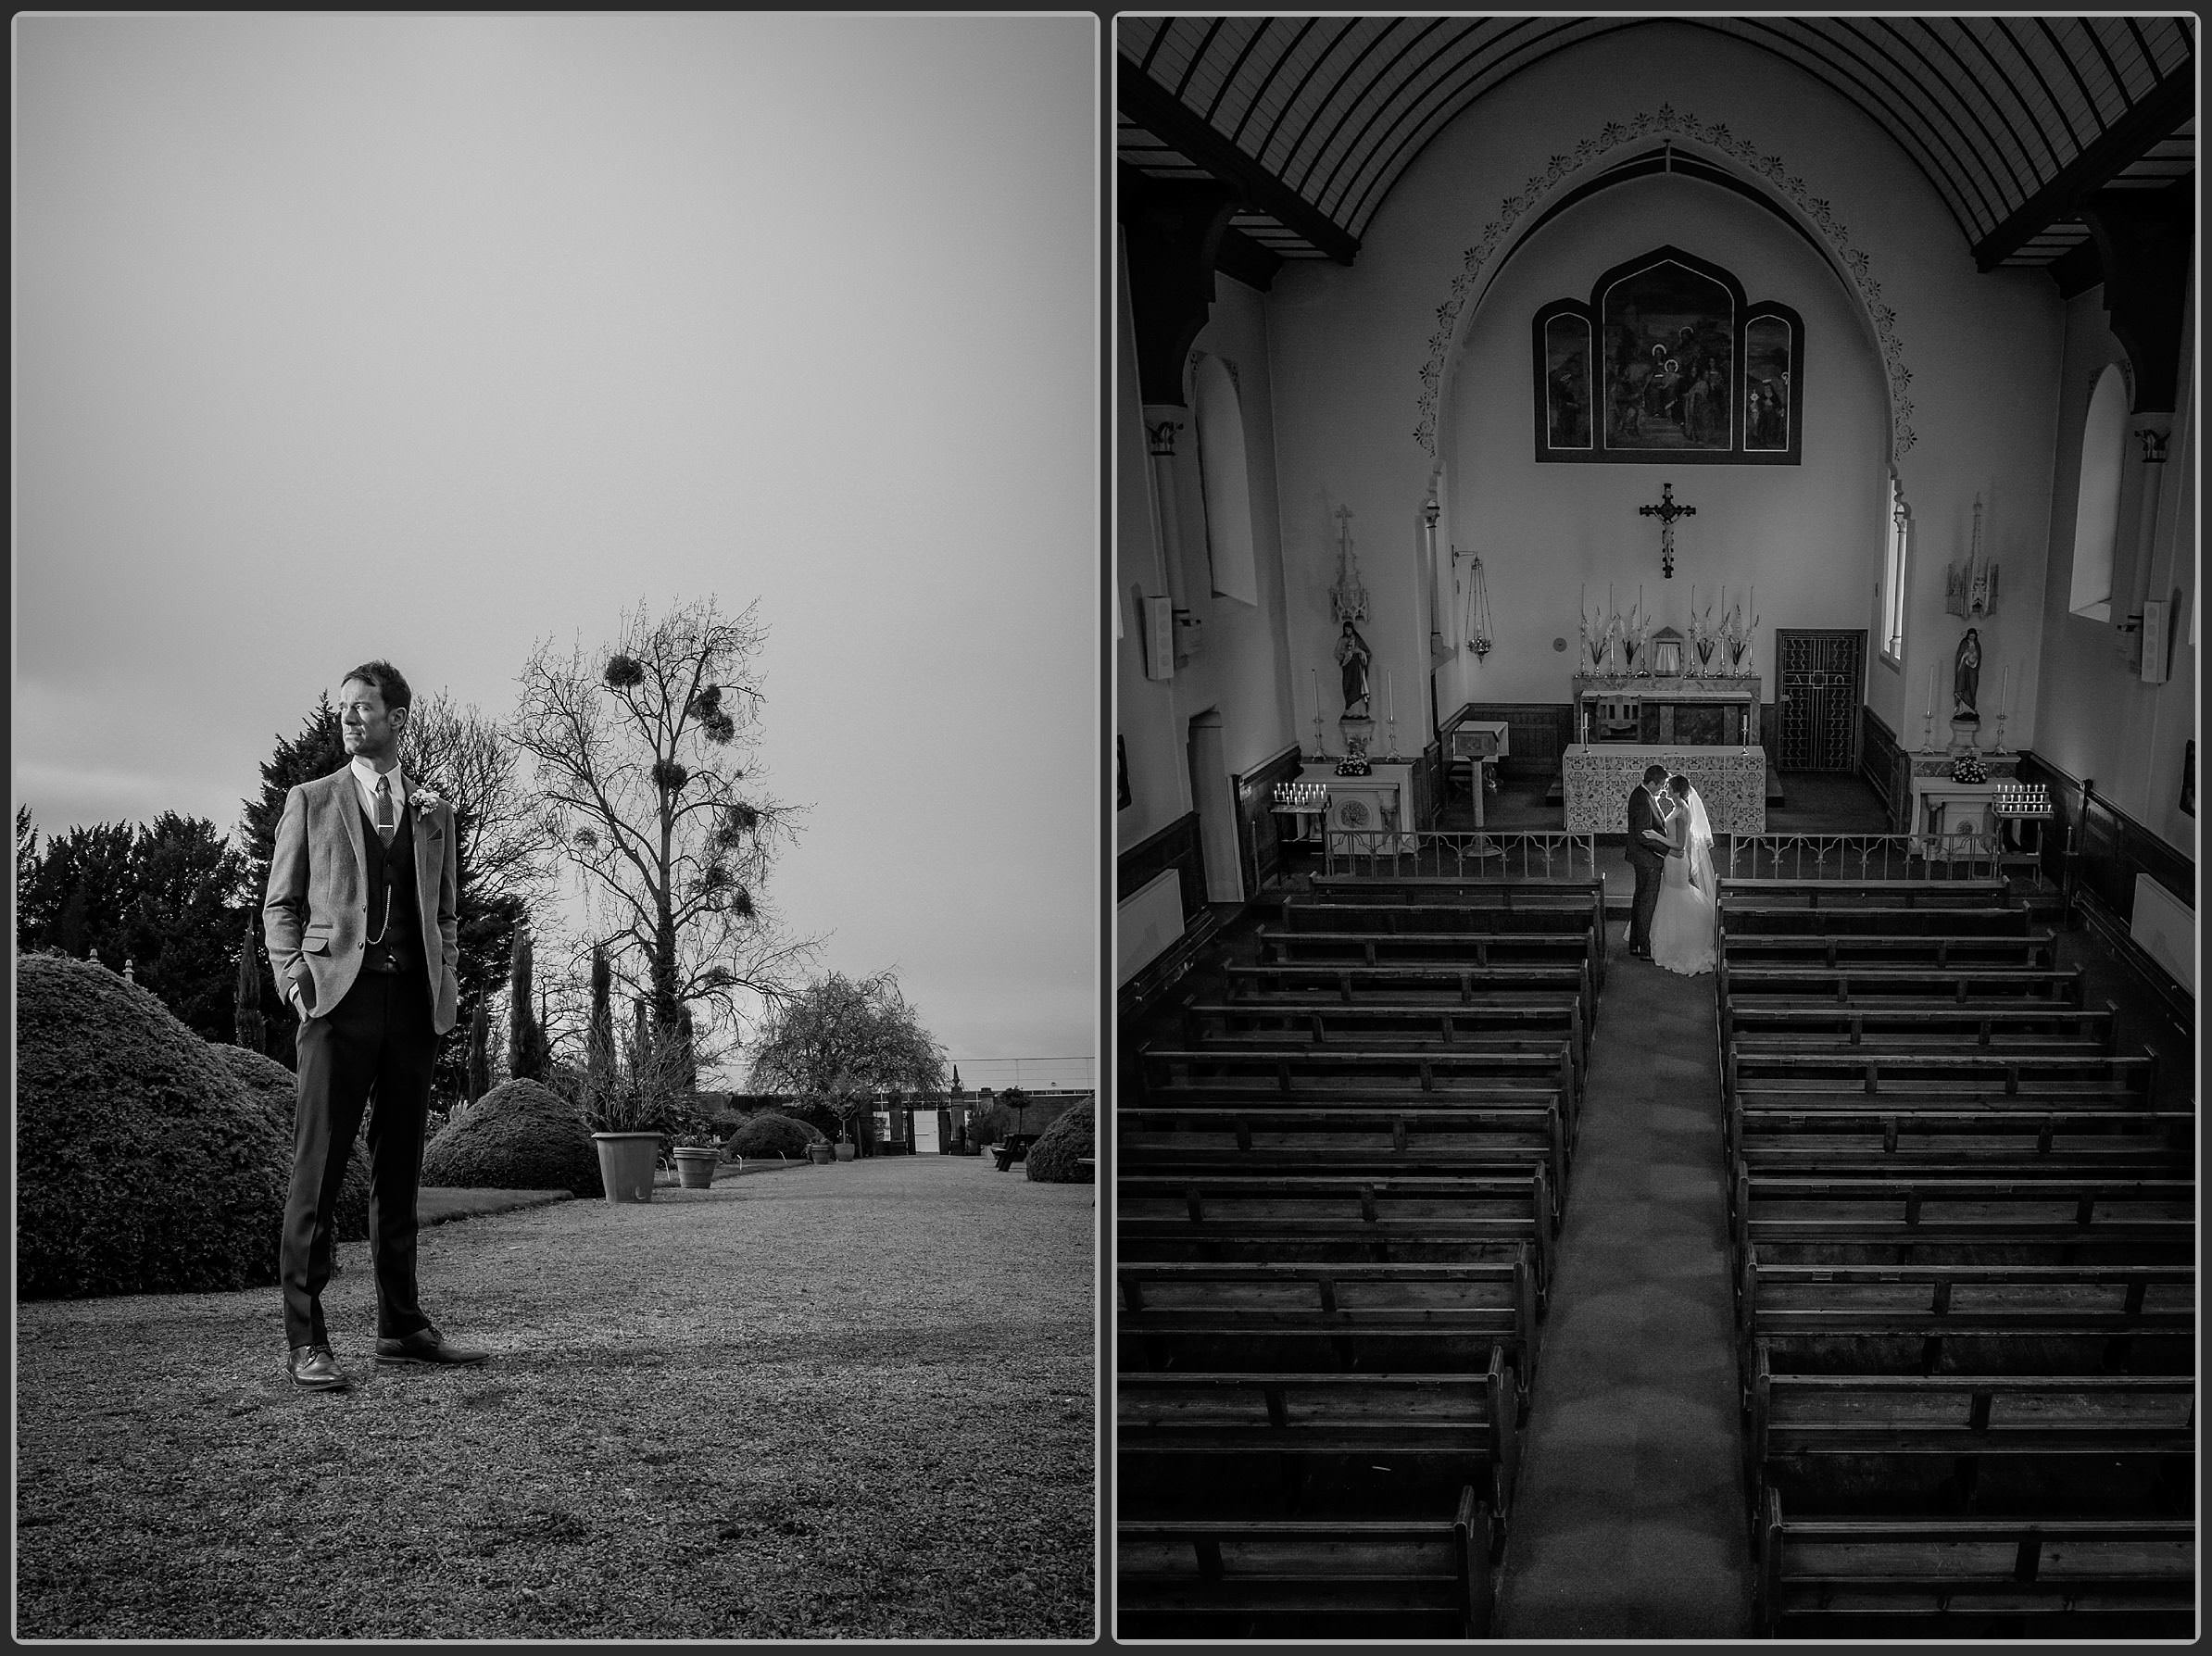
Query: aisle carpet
x,y
1629,1521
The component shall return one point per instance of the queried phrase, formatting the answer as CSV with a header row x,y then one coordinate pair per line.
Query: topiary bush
x,y
520,1135
274,1090
771,1133
1053,1157
142,1165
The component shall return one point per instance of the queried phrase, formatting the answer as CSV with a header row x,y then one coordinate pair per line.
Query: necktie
x,y
385,825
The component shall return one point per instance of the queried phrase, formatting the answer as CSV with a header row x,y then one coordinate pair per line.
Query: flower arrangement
x,y
1968,768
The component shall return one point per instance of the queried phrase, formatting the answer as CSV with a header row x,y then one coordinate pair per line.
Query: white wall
x,y
1809,536
1238,669
2097,719
1350,345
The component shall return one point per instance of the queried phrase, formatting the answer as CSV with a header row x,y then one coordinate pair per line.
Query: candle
x,y
1390,694
2004,691
1931,672
1317,696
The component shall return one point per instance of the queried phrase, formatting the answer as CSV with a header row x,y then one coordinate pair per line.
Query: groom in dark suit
x,y
1648,850
363,936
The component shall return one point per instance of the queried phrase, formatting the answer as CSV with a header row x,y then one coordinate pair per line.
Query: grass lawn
x,y
848,1402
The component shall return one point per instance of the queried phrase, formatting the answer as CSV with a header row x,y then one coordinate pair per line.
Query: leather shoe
x,y
317,1368
426,1346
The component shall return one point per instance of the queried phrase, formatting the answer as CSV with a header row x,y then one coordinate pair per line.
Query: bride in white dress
x,y
1682,924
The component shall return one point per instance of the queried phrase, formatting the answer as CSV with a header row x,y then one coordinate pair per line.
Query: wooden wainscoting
x,y
1886,766
2114,849
1538,733
1177,846
1257,825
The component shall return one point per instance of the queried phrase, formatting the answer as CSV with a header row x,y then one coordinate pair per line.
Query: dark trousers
x,y
380,1040
1648,870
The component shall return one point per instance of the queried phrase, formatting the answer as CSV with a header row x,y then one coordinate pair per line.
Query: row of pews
x,y
1342,1164
1963,1227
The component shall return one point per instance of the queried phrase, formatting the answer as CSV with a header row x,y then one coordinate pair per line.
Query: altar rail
x,y
1461,855
1964,855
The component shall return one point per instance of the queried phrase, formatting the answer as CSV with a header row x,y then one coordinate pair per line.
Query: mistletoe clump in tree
x,y
645,755
838,1044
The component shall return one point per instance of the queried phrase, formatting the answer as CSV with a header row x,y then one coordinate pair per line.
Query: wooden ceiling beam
x,y
2129,137
1160,112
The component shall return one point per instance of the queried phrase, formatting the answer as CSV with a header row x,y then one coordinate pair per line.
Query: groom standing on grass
x,y
1648,850
362,932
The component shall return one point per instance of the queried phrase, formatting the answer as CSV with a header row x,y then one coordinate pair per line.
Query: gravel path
x,y
850,1401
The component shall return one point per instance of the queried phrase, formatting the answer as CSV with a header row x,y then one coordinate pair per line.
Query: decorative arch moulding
x,y
1715,136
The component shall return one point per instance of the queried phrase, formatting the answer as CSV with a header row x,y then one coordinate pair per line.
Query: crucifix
x,y
1667,511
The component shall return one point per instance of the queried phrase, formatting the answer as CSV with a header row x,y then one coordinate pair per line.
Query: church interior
x,y
1504,406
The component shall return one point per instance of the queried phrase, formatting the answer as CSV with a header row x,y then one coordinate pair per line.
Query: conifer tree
x,y
598,1048
528,1054
480,1055
251,1031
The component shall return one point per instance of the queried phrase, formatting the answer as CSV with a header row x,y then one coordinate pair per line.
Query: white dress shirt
x,y
365,774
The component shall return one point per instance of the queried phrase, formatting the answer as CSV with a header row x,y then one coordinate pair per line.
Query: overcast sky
x,y
427,337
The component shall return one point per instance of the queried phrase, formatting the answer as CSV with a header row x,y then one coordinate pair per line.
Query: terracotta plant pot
x,y
820,1155
846,1151
695,1167
627,1165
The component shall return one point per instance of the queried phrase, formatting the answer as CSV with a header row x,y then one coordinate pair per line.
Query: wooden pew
x,y
1181,1072
1973,1577
1347,1314
1440,948
2084,1444
1956,1077
1341,919
2149,1213
1442,986
1386,1024
1842,895
1355,1441
1889,986
2036,951
1975,1315
1771,1024
1512,895
1740,918
1344,1135
1229,1216
1791,1137
1259,1578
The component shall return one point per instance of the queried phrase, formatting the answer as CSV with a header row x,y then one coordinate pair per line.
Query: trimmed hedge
x,y
520,1135
1053,1157
274,1090
771,1133
142,1165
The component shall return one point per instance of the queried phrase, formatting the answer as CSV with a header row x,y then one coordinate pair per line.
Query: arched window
x,y
1899,534
2096,510
1227,489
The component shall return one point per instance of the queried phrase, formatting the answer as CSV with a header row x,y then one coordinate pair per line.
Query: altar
x,y
1378,804
1678,708
1598,777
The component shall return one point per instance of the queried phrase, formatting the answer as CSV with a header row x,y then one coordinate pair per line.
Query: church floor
x,y
1629,1519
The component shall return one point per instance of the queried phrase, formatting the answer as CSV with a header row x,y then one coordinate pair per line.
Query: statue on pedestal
x,y
1352,656
1966,679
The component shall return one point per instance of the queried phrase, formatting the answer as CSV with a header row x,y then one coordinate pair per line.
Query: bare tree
x,y
458,751
645,763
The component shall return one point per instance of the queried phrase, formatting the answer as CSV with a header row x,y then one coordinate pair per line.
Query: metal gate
x,y
1817,694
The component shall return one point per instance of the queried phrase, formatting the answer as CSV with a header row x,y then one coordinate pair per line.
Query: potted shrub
x,y
697,1154
626,1110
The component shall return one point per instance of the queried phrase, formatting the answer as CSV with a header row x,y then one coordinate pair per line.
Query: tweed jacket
x,y
316,915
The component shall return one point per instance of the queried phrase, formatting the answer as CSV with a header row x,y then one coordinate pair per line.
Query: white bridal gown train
x,y
1682,924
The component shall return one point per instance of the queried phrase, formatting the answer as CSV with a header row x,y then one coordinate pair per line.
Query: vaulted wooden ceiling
x,y
2017,122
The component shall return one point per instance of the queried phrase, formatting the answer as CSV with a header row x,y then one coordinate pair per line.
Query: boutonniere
x,y
425,800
